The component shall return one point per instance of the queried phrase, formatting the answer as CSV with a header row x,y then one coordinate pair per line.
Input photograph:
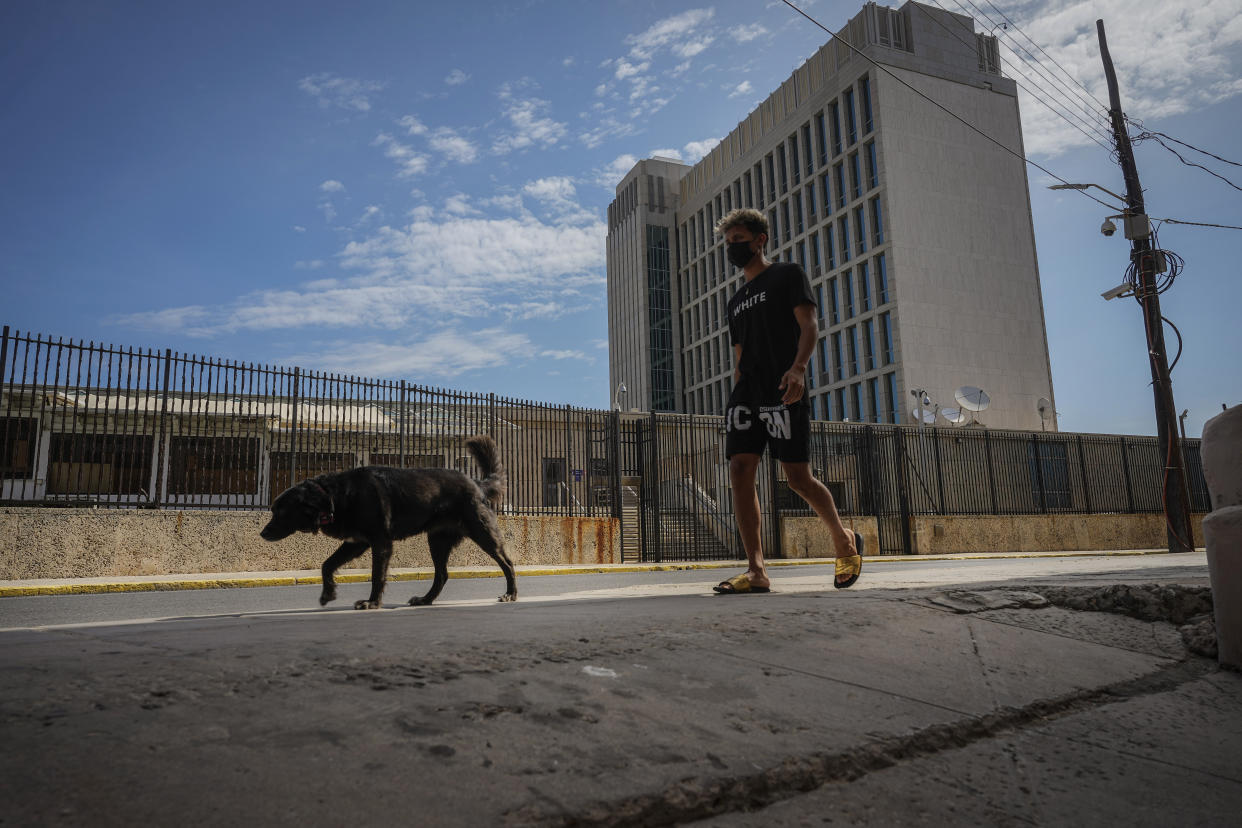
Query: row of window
x,y
854,350
829,133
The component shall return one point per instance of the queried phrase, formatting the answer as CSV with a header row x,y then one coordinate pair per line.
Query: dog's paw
x,y
420,601
507,598
327,597
367,604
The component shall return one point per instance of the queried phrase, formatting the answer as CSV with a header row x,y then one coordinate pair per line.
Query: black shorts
x,y
786,428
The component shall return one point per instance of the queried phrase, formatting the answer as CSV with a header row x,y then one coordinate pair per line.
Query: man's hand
x,y
793,383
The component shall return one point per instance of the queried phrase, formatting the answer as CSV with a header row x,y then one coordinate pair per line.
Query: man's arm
x,y
737,364
793,383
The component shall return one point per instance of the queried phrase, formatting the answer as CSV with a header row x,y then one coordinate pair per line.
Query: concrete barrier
x,y
82,543
1222,468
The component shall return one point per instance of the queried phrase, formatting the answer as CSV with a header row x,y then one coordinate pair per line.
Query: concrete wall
x,y
63,543
806,537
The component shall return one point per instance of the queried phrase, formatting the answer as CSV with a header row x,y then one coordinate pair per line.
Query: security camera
x,y
1108,228
1122,289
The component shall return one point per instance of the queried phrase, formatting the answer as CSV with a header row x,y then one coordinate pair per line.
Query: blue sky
x,y
419,191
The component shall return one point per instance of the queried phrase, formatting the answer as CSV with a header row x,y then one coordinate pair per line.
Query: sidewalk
x,y
230,580
652,705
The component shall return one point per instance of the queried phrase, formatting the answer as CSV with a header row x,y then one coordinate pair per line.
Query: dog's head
x,y
301,508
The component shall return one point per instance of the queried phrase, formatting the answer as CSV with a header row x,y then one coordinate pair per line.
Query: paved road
x,y
37,611
619,700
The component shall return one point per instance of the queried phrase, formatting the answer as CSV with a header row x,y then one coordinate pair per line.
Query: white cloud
x,y
456,78
611,174
745,34
332,186
453,146
666,152
605,129
297,228
329,212
313,264
369,213
566,354
412,125
409,162
695,150
692,47
344,93
1171,58
531,127
625,69
678,32
459,205
742,88
559,196
444,354
568,62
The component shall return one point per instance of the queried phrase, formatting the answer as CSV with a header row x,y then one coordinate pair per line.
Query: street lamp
x,y
1085,186
616,395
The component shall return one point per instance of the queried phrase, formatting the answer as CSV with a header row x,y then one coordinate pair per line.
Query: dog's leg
x,y
345,553
485,531
441,544
381,553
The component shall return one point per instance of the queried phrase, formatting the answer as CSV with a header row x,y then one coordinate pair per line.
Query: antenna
x,y
1044,407
972,399
953,415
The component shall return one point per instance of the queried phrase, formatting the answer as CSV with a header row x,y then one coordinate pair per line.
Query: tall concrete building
x,y
915,230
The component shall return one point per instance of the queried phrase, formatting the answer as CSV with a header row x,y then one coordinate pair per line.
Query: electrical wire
x,y
1143,136
1059,87
1169,322
1082,126
941,106
1146,133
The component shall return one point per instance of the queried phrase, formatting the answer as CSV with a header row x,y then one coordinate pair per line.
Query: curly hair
x,y
752,220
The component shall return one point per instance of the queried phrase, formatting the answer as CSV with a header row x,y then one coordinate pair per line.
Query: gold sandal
x,y
850,565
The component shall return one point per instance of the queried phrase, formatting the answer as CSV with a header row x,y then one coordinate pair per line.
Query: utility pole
x,y
1138,230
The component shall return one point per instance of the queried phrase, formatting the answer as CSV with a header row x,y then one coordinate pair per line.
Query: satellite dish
x,y
971,398
953,415
1044,407
925,415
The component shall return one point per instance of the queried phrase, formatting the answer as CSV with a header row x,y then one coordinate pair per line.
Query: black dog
x,y
373,506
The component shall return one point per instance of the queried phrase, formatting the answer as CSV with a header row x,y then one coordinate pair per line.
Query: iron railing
x,y
85,423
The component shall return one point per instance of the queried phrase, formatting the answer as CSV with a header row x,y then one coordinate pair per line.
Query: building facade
x,y
914,228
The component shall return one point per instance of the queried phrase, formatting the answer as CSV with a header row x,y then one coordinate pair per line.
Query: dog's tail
x,y
485,454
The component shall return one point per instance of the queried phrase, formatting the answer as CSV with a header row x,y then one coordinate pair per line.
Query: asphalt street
x,y
622,700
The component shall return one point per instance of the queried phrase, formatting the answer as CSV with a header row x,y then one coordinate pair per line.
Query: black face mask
x,y
739,253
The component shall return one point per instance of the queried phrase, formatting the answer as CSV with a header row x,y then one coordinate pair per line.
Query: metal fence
x,y
91,424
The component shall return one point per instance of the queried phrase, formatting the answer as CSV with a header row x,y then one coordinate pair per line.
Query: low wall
x,y
83,543
806,537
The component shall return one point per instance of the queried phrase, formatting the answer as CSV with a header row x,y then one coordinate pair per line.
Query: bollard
x,y
1222,529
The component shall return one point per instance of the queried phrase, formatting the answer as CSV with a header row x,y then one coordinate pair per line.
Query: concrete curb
x,y
155,583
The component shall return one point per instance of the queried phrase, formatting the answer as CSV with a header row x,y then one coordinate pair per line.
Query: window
x,y
821,131
807,152
797,206
834,118
771,176
750,202
848,280
810,203
877,222
869,345
801,254
18,439
873,167
788,163
213,465
886,334
842,196
841,409
814,406
864,286
860,232
773,225
864,95
815,257
856,400
881,280
851,120
873,400
758,169
827,398
855,176
851,336
99,464
829,248
785,225
825,191
890,380
823,361
834,314
1052,472
837,362
844,238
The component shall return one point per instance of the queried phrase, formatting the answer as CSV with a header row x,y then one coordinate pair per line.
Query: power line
x,y
1059,86
1199,223
1142,136
1102,105
1147,133
1076,124
939,105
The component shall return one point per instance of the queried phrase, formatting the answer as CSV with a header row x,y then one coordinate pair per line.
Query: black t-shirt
x,y
762,321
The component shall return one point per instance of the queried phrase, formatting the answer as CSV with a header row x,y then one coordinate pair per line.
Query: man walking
x,y
773,331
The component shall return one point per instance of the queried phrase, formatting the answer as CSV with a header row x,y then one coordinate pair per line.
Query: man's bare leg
x,y
816,494
742,469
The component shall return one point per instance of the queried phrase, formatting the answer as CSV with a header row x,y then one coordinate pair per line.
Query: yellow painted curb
x,y
22,590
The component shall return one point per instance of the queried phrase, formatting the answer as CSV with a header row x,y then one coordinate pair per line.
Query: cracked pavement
x,y
616,704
